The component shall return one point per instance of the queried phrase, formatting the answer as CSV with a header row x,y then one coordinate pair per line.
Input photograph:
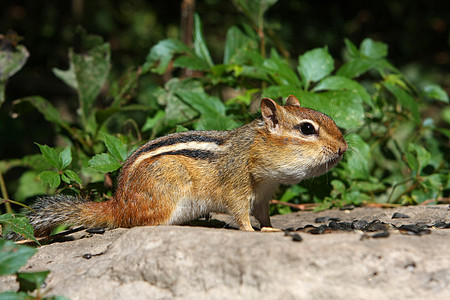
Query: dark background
x,y
417,32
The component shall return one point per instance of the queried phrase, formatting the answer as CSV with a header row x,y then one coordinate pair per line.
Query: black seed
x,y
345,226
321,219
377,225
87,256
333,225
398,215
441,224
382,234
96,230
296,237
347,207
422,225
359,224
410,228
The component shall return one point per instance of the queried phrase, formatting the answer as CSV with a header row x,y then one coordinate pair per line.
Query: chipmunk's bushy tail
x,y
54,210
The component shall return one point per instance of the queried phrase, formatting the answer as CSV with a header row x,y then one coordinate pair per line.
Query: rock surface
x,y
185,262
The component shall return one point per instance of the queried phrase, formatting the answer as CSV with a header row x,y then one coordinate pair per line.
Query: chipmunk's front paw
x,y
270,229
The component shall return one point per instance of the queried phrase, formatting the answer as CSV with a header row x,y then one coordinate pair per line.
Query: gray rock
x,y
184,262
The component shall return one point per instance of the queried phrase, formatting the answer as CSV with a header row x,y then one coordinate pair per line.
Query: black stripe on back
x,y
197,154
183,139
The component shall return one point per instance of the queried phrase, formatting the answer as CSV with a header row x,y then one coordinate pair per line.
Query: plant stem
x,y
5,194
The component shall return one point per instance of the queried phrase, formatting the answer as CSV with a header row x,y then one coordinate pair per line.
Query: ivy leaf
x,y
315,65
13,256
20,225
51,178
104,163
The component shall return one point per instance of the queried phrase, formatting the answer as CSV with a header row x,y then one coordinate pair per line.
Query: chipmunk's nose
x,y
342,149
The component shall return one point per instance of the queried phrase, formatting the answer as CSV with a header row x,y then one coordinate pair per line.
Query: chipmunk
x,y
179,177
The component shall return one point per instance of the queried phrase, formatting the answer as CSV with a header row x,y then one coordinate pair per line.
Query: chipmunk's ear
x,y
292,100
269,112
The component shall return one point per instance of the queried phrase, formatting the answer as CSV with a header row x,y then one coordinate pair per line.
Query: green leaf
x,y
357,158
344,107
10,295
67,76
72,176
218,122
315,65
115,147
50,177
434,91
50,155
152,122
30,281
335,83
235,41
203,103
200,48
88,71
373,49
65,158
104,163
176,110
404,98
191,62
161,54
122,88
29,185
280,71
50,113
351,49
20,225
12,59
91,70
13,256
180,128
355,68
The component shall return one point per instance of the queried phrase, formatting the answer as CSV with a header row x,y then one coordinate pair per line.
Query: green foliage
x,y
12,258
395,156
18,224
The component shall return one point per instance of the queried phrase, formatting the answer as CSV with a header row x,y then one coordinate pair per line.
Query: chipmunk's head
x,y
308,143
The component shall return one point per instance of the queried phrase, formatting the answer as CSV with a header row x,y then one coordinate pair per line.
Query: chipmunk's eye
x,y
307,128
